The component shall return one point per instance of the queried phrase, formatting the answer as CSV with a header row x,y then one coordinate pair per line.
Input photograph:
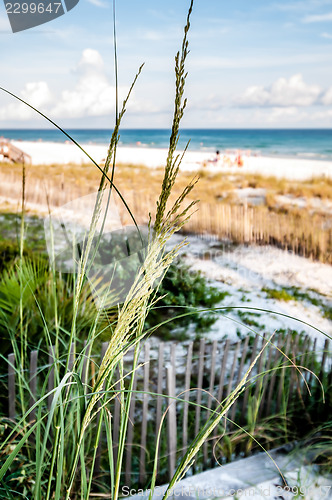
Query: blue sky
x,y
252,64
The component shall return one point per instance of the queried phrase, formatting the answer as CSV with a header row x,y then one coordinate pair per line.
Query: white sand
x,y
291,168
243,272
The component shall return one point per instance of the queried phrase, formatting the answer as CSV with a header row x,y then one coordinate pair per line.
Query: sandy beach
x,y
291,168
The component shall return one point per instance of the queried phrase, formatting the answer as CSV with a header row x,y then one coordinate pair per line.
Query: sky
x,y
252,64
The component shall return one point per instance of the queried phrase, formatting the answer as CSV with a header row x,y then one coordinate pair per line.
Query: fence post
x,y
186,396
116,416
199,384
211,388
130,434
282,376
171,420
239,375
232,373
104,346
142,472
246,394
222,377
159,386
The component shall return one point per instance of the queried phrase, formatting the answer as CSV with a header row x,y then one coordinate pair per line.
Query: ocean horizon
x,y
301,143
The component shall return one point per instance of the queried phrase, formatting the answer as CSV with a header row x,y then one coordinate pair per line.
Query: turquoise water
x,y
316,144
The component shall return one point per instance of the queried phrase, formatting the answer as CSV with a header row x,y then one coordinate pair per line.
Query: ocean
x,y
301,143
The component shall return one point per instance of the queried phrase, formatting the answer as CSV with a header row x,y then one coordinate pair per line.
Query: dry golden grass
x,y
316,187
305,230
66,182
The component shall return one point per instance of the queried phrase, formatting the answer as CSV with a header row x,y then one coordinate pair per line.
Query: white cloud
x,y
37,94
317,18
93,95
91,60
291,114
254,96
282,93
327,97
322,115
326,35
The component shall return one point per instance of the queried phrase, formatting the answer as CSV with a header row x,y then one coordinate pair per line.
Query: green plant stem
x,y
125,417
54,455
95,449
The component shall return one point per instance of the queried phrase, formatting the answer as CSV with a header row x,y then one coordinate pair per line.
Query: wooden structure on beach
x,y
11,153
189,380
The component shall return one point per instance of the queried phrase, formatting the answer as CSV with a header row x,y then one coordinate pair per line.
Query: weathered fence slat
x,y
259,378
285,362
272,382
104,346
186,396
311,363
231,375
305,361
294,371
240,374
325,353
142,471
222,376
116,415
199,384
232,372
223,371
130,432
211,390
159,385
266,379
171,420
246,393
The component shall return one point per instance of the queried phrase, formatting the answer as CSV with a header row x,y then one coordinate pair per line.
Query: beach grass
x,y
52,452
288,214
60,470
213,187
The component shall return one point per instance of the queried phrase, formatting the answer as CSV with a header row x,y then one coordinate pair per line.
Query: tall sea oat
x,y
131,318
173,162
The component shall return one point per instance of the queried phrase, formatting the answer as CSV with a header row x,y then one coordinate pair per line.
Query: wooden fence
x,y
302,233
199,373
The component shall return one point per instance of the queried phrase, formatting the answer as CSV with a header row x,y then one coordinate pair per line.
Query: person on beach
x,y
216,158
239,159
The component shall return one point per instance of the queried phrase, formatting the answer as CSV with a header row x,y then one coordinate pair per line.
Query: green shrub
x,y
9,254
182,291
